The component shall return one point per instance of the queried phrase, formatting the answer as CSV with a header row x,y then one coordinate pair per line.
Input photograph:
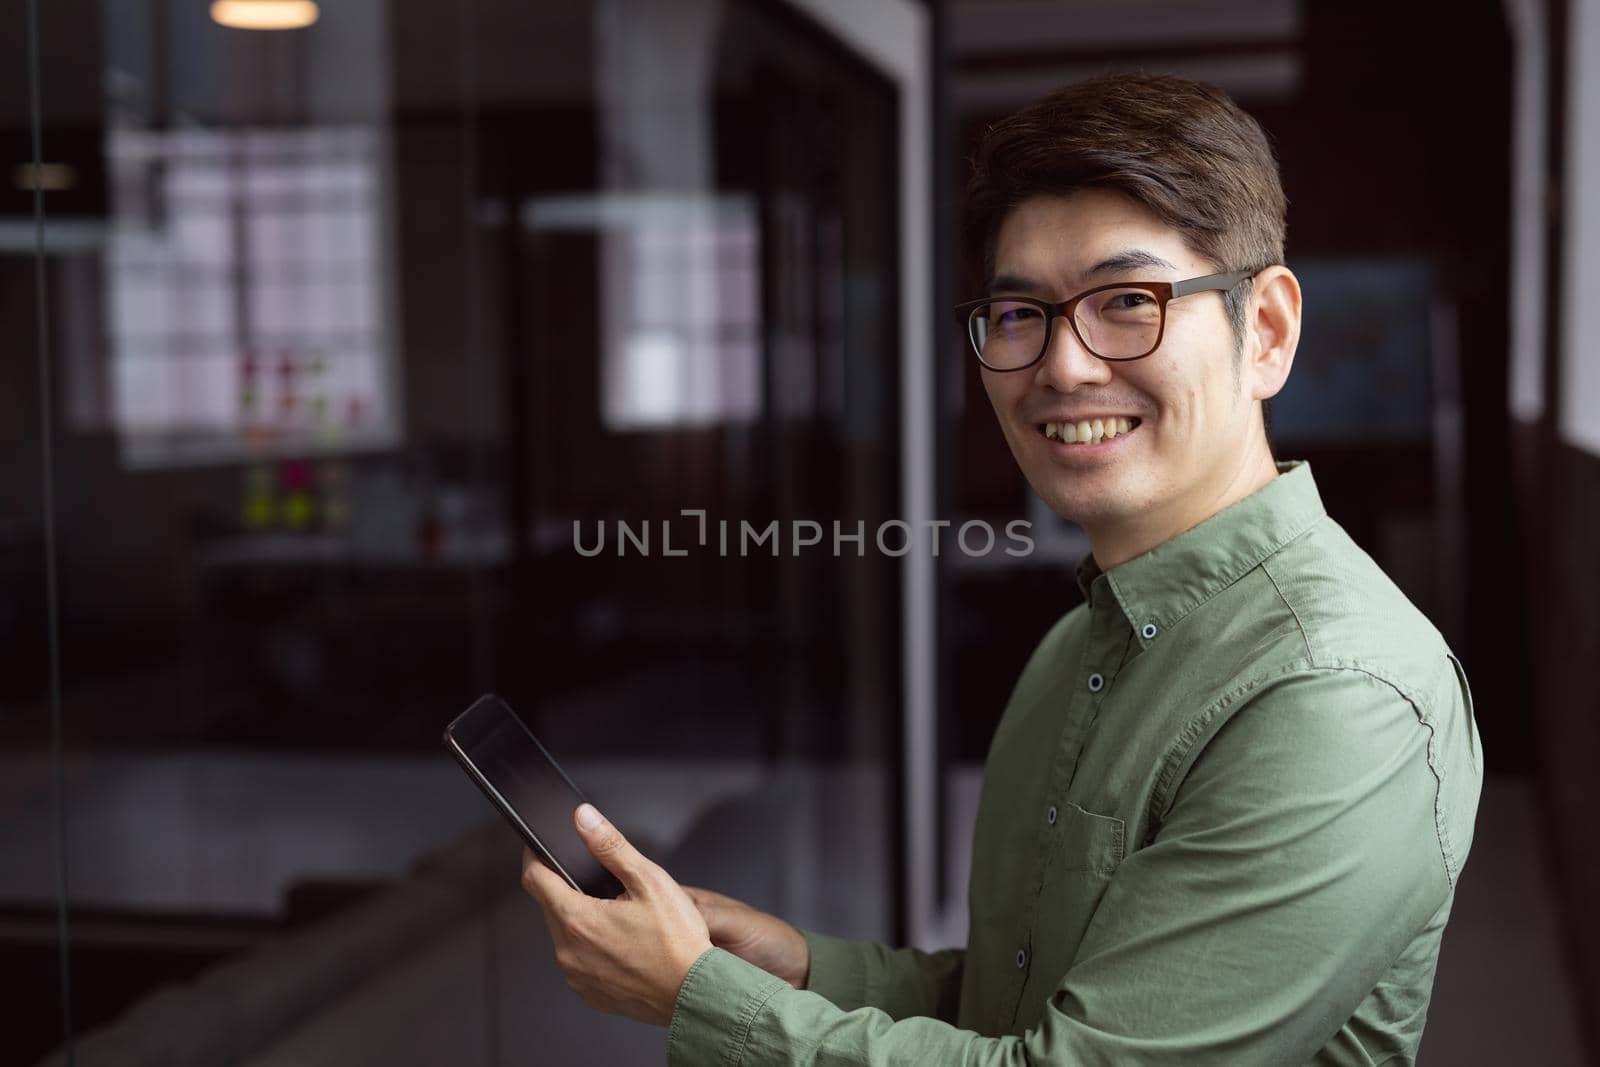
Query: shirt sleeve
x,y
902,982
1297,861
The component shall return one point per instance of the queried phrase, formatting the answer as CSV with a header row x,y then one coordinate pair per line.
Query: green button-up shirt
x,y
1222,821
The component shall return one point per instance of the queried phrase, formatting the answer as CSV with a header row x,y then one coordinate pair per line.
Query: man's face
x,y
1194,414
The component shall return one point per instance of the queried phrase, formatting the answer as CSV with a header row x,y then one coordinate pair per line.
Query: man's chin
x,y
1088,507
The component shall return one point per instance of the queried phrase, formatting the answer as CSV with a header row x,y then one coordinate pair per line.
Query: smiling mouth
x,y
1087,431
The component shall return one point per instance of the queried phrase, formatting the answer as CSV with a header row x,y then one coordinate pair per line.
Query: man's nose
x,y
1067,364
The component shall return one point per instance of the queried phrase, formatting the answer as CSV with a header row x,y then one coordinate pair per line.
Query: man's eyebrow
x,y
1127,259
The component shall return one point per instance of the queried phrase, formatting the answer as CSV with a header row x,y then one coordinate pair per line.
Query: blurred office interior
x,y
323,343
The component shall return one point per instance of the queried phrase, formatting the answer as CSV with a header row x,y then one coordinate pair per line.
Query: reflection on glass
x,y
679,304
247,294
649,269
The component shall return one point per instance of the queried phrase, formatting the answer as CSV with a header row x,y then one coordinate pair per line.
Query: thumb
x,y
613,851
714,907
706,901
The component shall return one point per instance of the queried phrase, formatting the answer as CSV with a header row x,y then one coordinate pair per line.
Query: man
x,y
1224,813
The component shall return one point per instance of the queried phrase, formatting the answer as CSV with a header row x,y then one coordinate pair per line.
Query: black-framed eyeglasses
x,y
1120,321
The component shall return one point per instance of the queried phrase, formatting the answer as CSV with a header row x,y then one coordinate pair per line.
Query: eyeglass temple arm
x,y
1226,280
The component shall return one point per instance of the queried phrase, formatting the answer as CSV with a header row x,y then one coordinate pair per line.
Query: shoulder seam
x,y
1305,636
1177,754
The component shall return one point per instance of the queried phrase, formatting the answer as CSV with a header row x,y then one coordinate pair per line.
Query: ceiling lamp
x,y
264,14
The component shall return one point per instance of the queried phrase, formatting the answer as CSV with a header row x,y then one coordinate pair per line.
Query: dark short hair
x,y
1181,148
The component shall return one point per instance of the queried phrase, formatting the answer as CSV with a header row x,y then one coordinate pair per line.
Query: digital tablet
x,y
524,782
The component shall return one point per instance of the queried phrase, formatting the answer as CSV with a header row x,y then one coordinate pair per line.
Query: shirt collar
x,y
1163,585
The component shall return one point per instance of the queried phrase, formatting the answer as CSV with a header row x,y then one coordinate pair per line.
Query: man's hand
x,y
754,936
626,956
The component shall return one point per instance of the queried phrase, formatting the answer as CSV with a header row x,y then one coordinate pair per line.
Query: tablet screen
x,y
524,774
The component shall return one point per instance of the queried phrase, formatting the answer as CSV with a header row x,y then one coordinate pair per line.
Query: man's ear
x,y
1274,330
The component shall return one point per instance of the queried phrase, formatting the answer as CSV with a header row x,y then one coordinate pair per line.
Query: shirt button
x,y
1097,682
1050,816
1022,958
1148,630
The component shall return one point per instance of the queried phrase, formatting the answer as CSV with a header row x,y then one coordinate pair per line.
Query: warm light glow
x,y
53,177
264,14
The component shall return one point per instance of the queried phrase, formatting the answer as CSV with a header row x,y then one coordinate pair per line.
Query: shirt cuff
x,y
838,970
719,1001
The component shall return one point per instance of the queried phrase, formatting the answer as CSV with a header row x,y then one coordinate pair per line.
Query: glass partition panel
x,y
364,332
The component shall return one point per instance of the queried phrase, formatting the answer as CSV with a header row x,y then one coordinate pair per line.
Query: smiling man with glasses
x,y
1225,811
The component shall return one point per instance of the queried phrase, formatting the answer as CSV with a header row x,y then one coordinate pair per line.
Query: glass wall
x,y
422,351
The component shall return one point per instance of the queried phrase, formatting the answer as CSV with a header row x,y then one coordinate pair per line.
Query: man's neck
x,y
1117,544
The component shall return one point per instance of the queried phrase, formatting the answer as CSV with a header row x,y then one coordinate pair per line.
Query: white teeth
x,y
1088,431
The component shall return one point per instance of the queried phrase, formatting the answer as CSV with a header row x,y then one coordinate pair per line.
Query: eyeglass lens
x,y
1113,324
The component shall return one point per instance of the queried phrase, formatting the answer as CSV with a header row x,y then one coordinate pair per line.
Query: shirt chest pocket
x,y
1085,851
1086,842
